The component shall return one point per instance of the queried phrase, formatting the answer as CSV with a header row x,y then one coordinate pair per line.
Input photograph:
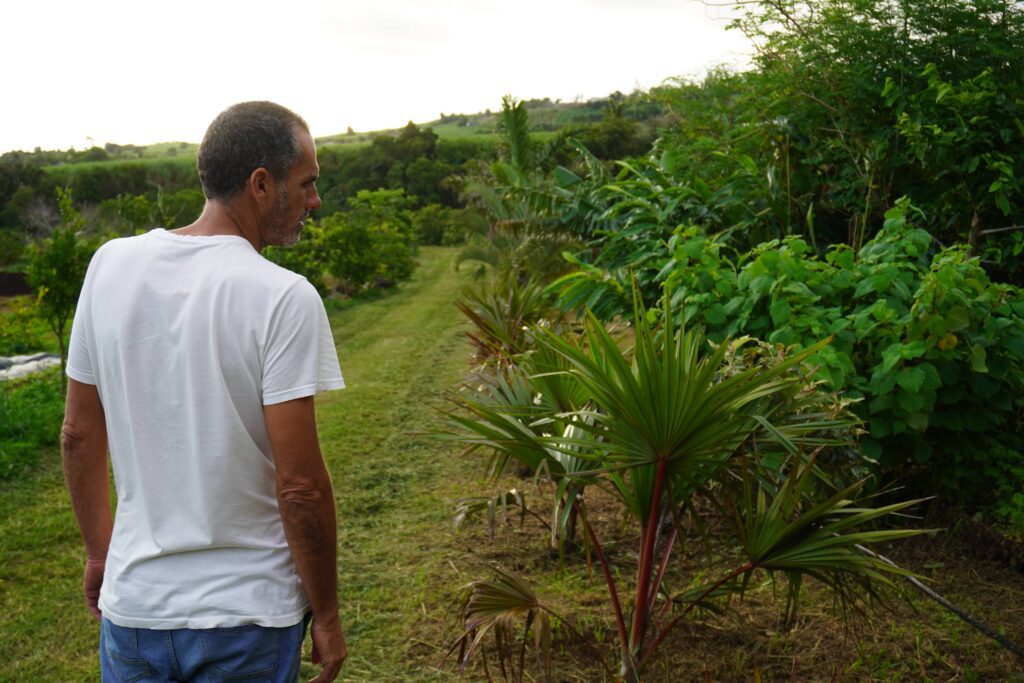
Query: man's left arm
x,y
83,441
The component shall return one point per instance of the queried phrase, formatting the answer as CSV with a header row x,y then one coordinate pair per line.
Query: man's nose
x,y
314,202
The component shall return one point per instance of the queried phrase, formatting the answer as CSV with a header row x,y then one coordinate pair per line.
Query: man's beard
x,y
280,230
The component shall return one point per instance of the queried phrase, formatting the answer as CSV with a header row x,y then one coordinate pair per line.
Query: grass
x,y
30,415
399,561
22,331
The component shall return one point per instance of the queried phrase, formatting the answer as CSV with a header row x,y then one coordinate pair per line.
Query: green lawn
x,y
394,488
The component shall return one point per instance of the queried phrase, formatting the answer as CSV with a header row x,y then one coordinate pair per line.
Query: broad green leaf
x,y
957,318
918,421
882,382
914,349
871,448
760,286
932,381
909,401
891,356
715,314
1004,204
978,358
911,379
780,312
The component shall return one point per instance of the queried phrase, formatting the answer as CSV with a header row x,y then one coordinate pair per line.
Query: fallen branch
x,y
1013,647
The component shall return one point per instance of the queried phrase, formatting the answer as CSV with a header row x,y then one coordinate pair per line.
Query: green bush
x,y
359,251
31,411
12,245
370,244
930,345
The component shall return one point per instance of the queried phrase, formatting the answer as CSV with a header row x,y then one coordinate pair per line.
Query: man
x,y
197,360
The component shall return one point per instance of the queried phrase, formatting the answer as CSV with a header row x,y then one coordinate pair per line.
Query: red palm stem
x,y
643,583
620,622
664,632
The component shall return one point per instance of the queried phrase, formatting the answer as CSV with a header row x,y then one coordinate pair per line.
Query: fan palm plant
x,y
530,413
677,418
502,316
669,423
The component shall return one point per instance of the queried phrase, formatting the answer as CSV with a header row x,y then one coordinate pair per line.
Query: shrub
x,y
12,244
359,251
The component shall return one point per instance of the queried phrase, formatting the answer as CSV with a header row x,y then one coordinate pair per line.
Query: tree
x,y
840,74
56,271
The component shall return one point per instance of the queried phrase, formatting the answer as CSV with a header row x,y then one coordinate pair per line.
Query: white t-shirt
x,y
186,339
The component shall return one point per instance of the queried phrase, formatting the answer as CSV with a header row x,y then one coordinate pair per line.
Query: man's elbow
x,y
301,493
73,438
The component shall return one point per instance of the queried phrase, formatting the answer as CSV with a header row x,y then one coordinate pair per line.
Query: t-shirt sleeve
x,y
300,358
79,363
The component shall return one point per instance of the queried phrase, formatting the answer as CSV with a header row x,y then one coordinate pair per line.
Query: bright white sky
x,y
81,72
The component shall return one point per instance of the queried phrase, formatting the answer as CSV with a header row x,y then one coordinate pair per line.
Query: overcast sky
x,y
77,73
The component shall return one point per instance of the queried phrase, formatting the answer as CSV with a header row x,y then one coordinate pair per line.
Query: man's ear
x,y
260,183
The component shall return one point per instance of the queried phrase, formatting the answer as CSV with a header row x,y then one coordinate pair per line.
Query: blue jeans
x,y
240,653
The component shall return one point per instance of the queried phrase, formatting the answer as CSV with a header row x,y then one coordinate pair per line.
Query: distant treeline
x,y
121,189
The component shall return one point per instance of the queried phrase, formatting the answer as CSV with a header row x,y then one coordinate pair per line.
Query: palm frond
x,y
794,534
502,317
490,507
495,606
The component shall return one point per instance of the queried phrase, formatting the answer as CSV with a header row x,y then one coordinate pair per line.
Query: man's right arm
x,y
83,440
306,501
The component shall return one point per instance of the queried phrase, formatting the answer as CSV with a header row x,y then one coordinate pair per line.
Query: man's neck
x,y
219,218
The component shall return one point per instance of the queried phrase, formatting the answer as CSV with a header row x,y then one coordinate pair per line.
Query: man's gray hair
x,y
244,137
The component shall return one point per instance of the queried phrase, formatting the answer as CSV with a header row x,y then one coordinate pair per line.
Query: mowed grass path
x,y
394,488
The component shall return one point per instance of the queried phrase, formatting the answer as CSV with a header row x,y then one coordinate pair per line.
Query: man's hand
x,y
329,649
92,581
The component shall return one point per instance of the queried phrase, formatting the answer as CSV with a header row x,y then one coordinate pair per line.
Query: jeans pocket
x,y
122,660
247,653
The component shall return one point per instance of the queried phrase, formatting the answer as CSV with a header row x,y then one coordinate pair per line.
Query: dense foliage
x,y
853,104
371,243
860,183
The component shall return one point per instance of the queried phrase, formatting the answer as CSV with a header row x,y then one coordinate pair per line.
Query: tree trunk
x,y
975,235
63,361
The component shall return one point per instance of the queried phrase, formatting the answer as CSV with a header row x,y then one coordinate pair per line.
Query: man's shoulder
x,y
269,273
263,280
118,248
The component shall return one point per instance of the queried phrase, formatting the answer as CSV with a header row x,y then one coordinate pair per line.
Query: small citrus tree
x,y
56,271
